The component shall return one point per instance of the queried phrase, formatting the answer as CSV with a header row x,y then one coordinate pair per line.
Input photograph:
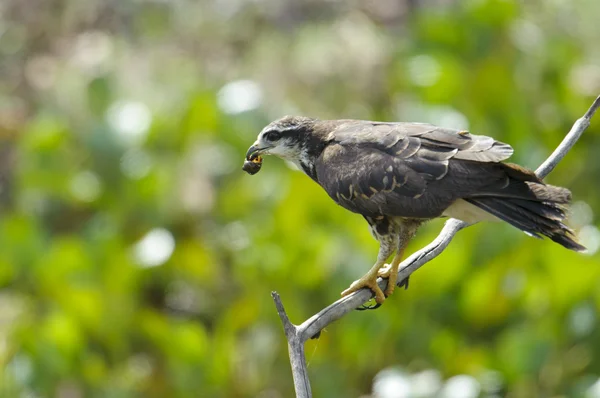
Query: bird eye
x,y
272,136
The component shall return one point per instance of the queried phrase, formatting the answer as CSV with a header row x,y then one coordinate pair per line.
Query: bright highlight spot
x,y
155,248
594,390
582,320
585,79
130,120
424,70
236,236
91,49
41,71
526,35
215,159
391,383
135,164
450,117
85,186
589,236
139,367
581,213
461,386
239,96
426,383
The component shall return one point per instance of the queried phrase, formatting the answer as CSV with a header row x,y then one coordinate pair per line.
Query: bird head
x,y
284,138
292,138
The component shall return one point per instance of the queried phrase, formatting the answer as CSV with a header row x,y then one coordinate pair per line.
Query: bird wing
x,y
389,168
422,140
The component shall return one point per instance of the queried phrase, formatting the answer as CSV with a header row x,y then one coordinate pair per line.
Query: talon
x,y
388,271
384,271
369,281
368,307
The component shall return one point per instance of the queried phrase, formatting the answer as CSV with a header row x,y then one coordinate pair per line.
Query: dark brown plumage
x,y
398,175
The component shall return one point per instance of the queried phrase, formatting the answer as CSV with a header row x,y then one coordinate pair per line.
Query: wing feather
x,y
407,150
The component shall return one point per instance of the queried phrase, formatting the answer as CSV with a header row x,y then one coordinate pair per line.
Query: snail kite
x,y
399,175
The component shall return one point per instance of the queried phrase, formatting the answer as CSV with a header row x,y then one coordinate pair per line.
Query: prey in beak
x,y
253,161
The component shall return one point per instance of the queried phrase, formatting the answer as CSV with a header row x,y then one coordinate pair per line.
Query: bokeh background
x,y
137,260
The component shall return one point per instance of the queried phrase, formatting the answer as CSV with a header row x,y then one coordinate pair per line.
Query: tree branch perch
x,y
298,335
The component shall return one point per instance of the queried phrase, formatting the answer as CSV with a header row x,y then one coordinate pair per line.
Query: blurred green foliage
x,y
137,259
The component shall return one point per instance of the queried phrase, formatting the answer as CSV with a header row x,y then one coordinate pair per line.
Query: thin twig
x,y
295,350
298,335
567,143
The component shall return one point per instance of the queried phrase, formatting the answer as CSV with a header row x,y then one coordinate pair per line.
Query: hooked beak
x,y
254,151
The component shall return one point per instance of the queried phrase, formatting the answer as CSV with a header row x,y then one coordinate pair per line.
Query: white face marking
x,y
289,138
390,169
284,149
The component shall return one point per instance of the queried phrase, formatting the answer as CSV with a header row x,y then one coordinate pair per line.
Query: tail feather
x,y
527,190
498,209
549,210
550,193
517,196
530,205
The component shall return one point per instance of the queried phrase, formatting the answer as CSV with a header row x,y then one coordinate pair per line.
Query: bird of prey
x,y
399,175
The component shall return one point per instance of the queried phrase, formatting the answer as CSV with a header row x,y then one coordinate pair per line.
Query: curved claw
x,y
368,281
403,283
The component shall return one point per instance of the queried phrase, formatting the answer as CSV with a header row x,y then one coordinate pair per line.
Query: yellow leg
x,y
388,242
369,280
390,271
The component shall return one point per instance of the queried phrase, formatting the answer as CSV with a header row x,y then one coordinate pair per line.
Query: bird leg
x,y
370,278
390,271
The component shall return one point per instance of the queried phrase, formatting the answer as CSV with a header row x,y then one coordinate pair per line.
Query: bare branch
x,y
346,304
288,327
298,335
567,143
295,350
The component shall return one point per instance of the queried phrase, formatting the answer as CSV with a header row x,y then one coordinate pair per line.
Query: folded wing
x,y
398,168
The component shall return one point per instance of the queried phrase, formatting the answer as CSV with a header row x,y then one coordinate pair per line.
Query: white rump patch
x,y
465,211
